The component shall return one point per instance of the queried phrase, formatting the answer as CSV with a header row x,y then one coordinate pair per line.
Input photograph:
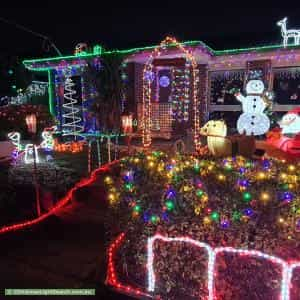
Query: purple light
x,y
248,212
243,182
225,224
164,81
242,170
287,196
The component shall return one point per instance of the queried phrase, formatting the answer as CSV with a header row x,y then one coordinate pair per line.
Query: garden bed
x,y
232,202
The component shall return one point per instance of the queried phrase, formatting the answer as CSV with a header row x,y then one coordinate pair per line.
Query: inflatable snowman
x,y
253,120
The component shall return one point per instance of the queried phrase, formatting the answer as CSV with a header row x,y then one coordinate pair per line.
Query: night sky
x,y
220,25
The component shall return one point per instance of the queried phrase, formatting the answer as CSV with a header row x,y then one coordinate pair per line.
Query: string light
x,y
29,155
72,124
287,269
60,204
146,107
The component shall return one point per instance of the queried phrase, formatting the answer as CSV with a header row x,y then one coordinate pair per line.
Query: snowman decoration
x,y
253,120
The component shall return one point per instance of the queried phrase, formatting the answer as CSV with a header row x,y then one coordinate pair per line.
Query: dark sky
x,y
138,23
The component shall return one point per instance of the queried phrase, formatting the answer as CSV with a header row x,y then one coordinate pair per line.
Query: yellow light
x,y
221,177
283,176
204,198
261,175
108,180
292,168
151,164
265,196
206,220
197,210
136,160
112,197
281,220
186,188
210,167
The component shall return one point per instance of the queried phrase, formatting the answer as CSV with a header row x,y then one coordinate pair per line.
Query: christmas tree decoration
x,y
72,125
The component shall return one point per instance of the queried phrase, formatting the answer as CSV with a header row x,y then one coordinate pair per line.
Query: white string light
x,y
287,269
29,155
15,138
72,122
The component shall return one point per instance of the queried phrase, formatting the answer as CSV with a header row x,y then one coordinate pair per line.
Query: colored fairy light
x,y
242,170
287,196
248,212
247,196
225,224
147,91
169,205
199,193
137,208
212,254
215,216
243,182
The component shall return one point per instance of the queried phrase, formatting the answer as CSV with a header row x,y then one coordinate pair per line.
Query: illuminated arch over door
x,y
147,79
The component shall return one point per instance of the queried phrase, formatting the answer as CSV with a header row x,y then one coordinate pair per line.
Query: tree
x,y
108,83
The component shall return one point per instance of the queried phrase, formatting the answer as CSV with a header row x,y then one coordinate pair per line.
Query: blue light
x,y
248,212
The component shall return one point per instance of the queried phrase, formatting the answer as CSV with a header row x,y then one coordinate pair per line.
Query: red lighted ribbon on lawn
x,y
60,204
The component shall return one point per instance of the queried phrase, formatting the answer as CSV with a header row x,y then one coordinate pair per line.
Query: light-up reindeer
x,y
291,33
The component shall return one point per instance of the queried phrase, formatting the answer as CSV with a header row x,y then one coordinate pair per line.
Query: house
x,y
174,87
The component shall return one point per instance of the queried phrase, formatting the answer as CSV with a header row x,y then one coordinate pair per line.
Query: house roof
x,y
45,64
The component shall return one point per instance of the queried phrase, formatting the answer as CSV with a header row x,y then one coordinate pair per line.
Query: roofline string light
x,y
287,268
146,107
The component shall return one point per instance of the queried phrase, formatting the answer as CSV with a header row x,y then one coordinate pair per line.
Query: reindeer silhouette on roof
x,y
291,33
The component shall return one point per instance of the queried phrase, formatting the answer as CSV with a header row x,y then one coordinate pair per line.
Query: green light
x,y
228,167
199,193
215,216
169,205
154,219
156,153
197,168
50,93
236,216
10,72
285,186
28,62
137,208
247,196
14,87
128,186
97,50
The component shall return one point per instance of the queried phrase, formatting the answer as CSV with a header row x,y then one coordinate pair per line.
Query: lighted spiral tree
x,y
72,125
